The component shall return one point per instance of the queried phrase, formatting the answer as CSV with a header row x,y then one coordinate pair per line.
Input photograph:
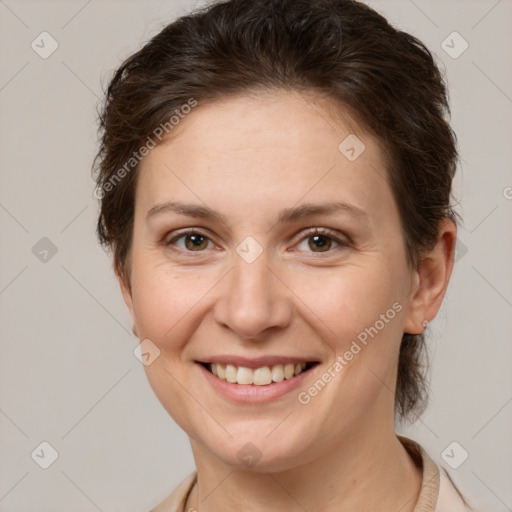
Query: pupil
x,y
196,240
319,238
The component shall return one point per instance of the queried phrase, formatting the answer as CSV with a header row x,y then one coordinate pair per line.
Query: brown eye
x,y
321,242
193,241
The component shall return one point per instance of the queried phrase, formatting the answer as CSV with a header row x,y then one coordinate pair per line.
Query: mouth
x,y
264,375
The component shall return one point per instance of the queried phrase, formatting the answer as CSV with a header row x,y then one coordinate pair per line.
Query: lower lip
x,y
250,393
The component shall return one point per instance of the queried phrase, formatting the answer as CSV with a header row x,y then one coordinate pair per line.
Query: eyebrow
x,y
286,216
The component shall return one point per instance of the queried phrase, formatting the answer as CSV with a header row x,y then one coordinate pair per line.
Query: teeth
x,y
260,376
278,373
244,375
231,373
221,371
289,370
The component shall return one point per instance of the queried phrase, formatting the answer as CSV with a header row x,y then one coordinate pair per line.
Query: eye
x,y
194,241
320,240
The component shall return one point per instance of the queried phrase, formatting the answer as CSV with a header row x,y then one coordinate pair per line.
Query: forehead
x,y
270,147
272,119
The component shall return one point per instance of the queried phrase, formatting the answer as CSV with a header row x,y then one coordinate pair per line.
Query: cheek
x,y
168,312
346,300
165,302
357,311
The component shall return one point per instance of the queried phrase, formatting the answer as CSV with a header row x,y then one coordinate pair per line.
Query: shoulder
x,y
450,499
438,492
175,502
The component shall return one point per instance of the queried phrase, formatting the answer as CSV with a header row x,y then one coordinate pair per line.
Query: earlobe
x,y
431,280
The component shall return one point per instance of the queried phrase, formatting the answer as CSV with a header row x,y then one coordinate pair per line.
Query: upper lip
x,y
256,362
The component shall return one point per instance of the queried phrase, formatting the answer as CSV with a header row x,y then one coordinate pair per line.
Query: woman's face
x,y
253,286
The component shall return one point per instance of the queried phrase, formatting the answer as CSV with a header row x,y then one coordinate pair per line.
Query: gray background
x,y
68,374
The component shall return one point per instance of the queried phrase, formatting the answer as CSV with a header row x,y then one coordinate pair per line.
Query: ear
x,y
127,296
431,279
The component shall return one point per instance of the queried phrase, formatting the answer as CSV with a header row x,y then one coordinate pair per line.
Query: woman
x,y
275,181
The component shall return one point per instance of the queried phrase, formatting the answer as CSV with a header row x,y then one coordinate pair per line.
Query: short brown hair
x,y
340,49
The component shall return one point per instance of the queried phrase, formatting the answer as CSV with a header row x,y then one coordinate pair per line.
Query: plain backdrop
x,y
68,375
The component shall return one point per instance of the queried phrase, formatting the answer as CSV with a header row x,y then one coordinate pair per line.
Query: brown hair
x,y
339,49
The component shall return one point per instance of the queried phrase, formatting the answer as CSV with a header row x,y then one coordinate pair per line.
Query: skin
x,y
249,157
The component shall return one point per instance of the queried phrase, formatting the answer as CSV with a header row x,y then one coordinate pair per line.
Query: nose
x,y
254,299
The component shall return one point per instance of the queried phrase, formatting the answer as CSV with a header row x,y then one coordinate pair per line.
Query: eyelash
x,y
310,233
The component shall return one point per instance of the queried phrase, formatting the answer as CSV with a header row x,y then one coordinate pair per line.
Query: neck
x,y
369,471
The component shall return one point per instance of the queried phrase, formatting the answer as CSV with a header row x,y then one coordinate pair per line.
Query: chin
x,y
254,449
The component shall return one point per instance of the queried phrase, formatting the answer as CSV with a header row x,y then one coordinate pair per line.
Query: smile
x,y
262,376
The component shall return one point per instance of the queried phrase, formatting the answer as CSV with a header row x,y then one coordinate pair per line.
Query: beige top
x,y
437,493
